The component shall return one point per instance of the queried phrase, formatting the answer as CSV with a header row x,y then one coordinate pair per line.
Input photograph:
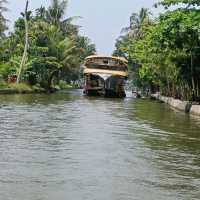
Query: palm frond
x,y
70,19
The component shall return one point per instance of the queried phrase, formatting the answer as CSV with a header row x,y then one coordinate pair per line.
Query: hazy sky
x,y
101,20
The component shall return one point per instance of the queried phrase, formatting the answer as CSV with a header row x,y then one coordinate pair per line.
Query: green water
x,y
68,146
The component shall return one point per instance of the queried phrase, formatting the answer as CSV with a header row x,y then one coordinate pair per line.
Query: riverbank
x,y
185,106
23,88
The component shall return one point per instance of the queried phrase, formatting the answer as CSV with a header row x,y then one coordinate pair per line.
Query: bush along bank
x,y
21,88
25,88
185,106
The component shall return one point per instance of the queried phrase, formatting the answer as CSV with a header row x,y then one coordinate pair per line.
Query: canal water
x,y
69,147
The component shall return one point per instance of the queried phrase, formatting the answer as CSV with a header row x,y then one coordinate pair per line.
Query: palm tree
x,y
55,15
23,61
56,11
136,22
41,13
2,19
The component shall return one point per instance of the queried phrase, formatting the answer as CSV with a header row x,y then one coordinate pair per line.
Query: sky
x,y
102,20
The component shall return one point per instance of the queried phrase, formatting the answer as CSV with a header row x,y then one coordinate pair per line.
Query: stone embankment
x,y
186,106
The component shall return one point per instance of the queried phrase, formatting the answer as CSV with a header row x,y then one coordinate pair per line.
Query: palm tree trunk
x,y
26,44
192,78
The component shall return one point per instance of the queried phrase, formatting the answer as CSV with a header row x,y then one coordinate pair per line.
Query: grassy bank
x,y
21,88
24,88
63,85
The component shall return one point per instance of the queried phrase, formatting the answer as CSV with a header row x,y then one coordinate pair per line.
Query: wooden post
x,y
26,44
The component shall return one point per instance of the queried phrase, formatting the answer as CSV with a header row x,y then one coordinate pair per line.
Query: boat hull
x,y
105,93
111,87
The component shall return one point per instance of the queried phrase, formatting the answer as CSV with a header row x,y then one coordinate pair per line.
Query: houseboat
x,y
105,76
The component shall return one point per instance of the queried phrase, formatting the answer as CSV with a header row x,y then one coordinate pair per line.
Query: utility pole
x,y
26,44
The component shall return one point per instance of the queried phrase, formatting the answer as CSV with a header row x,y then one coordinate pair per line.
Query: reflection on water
x,y
67,146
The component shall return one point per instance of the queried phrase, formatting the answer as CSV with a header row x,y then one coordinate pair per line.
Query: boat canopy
x,y
106,66
105,73
120,59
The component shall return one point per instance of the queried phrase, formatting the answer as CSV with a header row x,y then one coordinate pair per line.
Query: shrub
x,y
64,85
5,70
3,85
21,87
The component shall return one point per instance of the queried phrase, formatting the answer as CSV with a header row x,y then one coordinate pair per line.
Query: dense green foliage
x,y
55,47
164,53
2,18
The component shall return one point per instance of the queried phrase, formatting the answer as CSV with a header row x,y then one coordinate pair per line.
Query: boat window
x,y
105,62
107,67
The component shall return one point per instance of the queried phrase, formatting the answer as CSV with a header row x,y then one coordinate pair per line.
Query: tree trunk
x,y
54,73
192,77
26,45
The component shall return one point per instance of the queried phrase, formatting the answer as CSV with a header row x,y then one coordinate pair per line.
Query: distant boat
x,y
105,76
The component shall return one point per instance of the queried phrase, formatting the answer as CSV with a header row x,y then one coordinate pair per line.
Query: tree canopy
x,y
164,56
187,3
3,9
55,47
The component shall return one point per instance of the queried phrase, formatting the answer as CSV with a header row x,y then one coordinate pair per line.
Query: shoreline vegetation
x,y
44,51
163,51
23,88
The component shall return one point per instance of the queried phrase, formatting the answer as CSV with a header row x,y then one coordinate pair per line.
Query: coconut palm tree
x,y
2,18
56,11
24,57
136,22
55,15
41,13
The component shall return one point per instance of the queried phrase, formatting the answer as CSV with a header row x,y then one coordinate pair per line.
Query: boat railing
x,y
107,67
